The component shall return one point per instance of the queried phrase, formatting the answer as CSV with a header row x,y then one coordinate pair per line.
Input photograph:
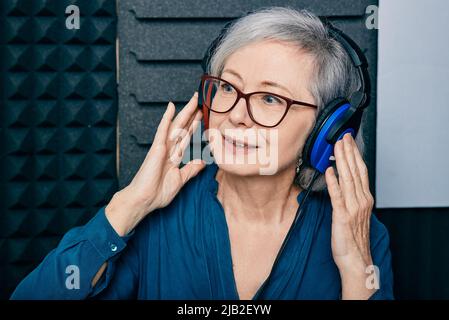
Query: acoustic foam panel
x,y
58,106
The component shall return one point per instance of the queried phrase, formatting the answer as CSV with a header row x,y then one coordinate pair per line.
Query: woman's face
x,y
271,66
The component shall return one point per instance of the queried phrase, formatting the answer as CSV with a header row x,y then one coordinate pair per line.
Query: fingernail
x,y
195,94
342,143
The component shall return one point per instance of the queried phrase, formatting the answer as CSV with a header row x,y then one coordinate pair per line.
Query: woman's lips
x,y
237,147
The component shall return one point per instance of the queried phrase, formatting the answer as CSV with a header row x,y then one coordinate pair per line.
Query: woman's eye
x,y
227,88
271,99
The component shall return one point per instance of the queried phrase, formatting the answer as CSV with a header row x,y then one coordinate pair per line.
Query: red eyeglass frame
x,y
247,96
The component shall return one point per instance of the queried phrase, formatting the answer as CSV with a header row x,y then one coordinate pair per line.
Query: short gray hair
x,y
334,76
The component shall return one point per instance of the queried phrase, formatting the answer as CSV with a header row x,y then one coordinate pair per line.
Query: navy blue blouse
x,y
183,252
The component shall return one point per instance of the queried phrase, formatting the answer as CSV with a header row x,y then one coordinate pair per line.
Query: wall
x,y
58,112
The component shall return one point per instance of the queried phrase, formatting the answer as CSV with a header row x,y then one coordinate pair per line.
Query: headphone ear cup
x,y
320,123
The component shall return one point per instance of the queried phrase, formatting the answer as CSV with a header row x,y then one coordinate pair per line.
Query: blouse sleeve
x,y
380,251
68,270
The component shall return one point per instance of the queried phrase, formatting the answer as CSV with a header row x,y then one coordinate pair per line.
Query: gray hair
x,y
334,75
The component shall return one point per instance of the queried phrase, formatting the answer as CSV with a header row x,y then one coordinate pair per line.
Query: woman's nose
x,y
239,114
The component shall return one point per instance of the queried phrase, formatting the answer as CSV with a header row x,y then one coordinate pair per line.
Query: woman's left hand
x,y
352,204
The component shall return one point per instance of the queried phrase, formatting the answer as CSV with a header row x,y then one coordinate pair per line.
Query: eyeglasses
x,y
264,108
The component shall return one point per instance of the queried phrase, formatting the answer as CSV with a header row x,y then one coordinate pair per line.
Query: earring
x,y
298,165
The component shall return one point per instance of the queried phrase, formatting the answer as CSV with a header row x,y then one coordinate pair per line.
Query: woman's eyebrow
x,y
264,83
276,85
235,73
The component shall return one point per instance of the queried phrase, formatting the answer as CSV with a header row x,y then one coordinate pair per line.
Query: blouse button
x,y
113,247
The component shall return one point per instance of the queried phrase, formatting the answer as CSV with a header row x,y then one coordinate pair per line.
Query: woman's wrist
x,y
125,211
355,280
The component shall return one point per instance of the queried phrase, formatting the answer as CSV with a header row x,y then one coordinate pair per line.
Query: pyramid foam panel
x,y
58,110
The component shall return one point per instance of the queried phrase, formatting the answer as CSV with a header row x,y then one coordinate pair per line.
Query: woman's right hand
x,y
159,178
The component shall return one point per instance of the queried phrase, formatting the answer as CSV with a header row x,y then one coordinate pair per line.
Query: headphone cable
x,y
289,233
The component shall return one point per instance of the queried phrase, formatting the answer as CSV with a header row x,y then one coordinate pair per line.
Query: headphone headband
x,y
361,97
340,116
211,48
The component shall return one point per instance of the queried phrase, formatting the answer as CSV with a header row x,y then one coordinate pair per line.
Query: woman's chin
x,y
243,169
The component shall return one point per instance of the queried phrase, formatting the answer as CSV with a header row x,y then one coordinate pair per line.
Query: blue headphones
x,y
340,116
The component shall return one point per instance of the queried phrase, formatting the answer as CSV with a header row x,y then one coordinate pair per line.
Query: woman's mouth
x,y
237,146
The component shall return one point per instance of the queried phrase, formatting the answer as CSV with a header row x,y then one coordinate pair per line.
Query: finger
x,y
363,171
164,125
159,142
178,133
186,114
180,147
334,190
195,117
194,124
345,179
160,137
350,157
191,169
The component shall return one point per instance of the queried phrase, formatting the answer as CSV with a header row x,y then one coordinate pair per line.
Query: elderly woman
x,y
219,235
